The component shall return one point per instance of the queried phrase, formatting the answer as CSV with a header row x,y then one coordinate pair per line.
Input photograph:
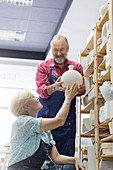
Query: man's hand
x,y
58,85
81,89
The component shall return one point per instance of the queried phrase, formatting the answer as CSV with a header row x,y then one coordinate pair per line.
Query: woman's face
x,y
34,104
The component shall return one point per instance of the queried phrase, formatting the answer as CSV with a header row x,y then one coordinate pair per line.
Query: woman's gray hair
x,y
18,101
58,37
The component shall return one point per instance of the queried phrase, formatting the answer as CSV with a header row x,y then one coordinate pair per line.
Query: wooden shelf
x,y
103,48
91,133
105,122
89,91
90,69
85,112
102,65
88,107
88,47
107,139
106,77
107,156
104,19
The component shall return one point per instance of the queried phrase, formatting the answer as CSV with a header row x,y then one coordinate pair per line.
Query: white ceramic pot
x,y
103,9
71,76
105,31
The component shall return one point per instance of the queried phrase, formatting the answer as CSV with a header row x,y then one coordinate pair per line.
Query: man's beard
x,y
59,60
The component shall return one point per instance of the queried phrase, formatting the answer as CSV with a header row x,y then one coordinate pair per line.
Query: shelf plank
x,y
89,133
90,69
105,122
88,107
87,136
103,157
103,48
86,112
107,156
106,77
102,65
88,91
107,139
88,47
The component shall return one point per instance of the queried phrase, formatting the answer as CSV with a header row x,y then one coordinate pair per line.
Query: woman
x,y
31,140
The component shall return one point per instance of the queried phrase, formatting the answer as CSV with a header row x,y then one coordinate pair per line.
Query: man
x,y
52,94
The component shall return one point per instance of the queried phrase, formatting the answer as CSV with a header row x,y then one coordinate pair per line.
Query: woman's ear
x,y
26,106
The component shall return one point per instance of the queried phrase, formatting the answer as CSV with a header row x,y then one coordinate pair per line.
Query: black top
x,y
36,161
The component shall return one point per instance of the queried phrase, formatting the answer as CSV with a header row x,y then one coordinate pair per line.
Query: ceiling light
x,y
12,35
18,2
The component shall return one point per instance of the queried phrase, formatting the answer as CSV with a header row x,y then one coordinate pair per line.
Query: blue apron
x,y
64,136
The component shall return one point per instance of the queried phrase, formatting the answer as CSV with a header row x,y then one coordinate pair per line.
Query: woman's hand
x,y
71,92
79,164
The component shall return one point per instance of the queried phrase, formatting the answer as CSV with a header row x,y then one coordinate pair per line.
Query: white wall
x,y
12,78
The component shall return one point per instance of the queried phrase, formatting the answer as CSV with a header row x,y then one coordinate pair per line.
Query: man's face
x,y
59,50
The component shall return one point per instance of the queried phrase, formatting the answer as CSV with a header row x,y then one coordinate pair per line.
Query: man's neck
x,y
60,65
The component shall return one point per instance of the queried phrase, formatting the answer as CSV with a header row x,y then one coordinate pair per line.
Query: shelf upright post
x,y
96,107
111,38
110,2
79,120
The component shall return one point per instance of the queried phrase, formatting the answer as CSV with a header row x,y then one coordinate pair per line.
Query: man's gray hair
x,y
58,37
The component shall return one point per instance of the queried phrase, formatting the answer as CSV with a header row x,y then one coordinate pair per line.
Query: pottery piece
x,y
71,76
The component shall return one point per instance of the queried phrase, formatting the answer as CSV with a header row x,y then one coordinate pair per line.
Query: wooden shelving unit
x,y
100,130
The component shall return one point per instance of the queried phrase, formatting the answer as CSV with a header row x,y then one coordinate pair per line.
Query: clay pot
x,y
71,76
103,9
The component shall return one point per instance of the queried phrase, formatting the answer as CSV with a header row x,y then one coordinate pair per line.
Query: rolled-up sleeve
x,y
80,69
42,80
34,125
